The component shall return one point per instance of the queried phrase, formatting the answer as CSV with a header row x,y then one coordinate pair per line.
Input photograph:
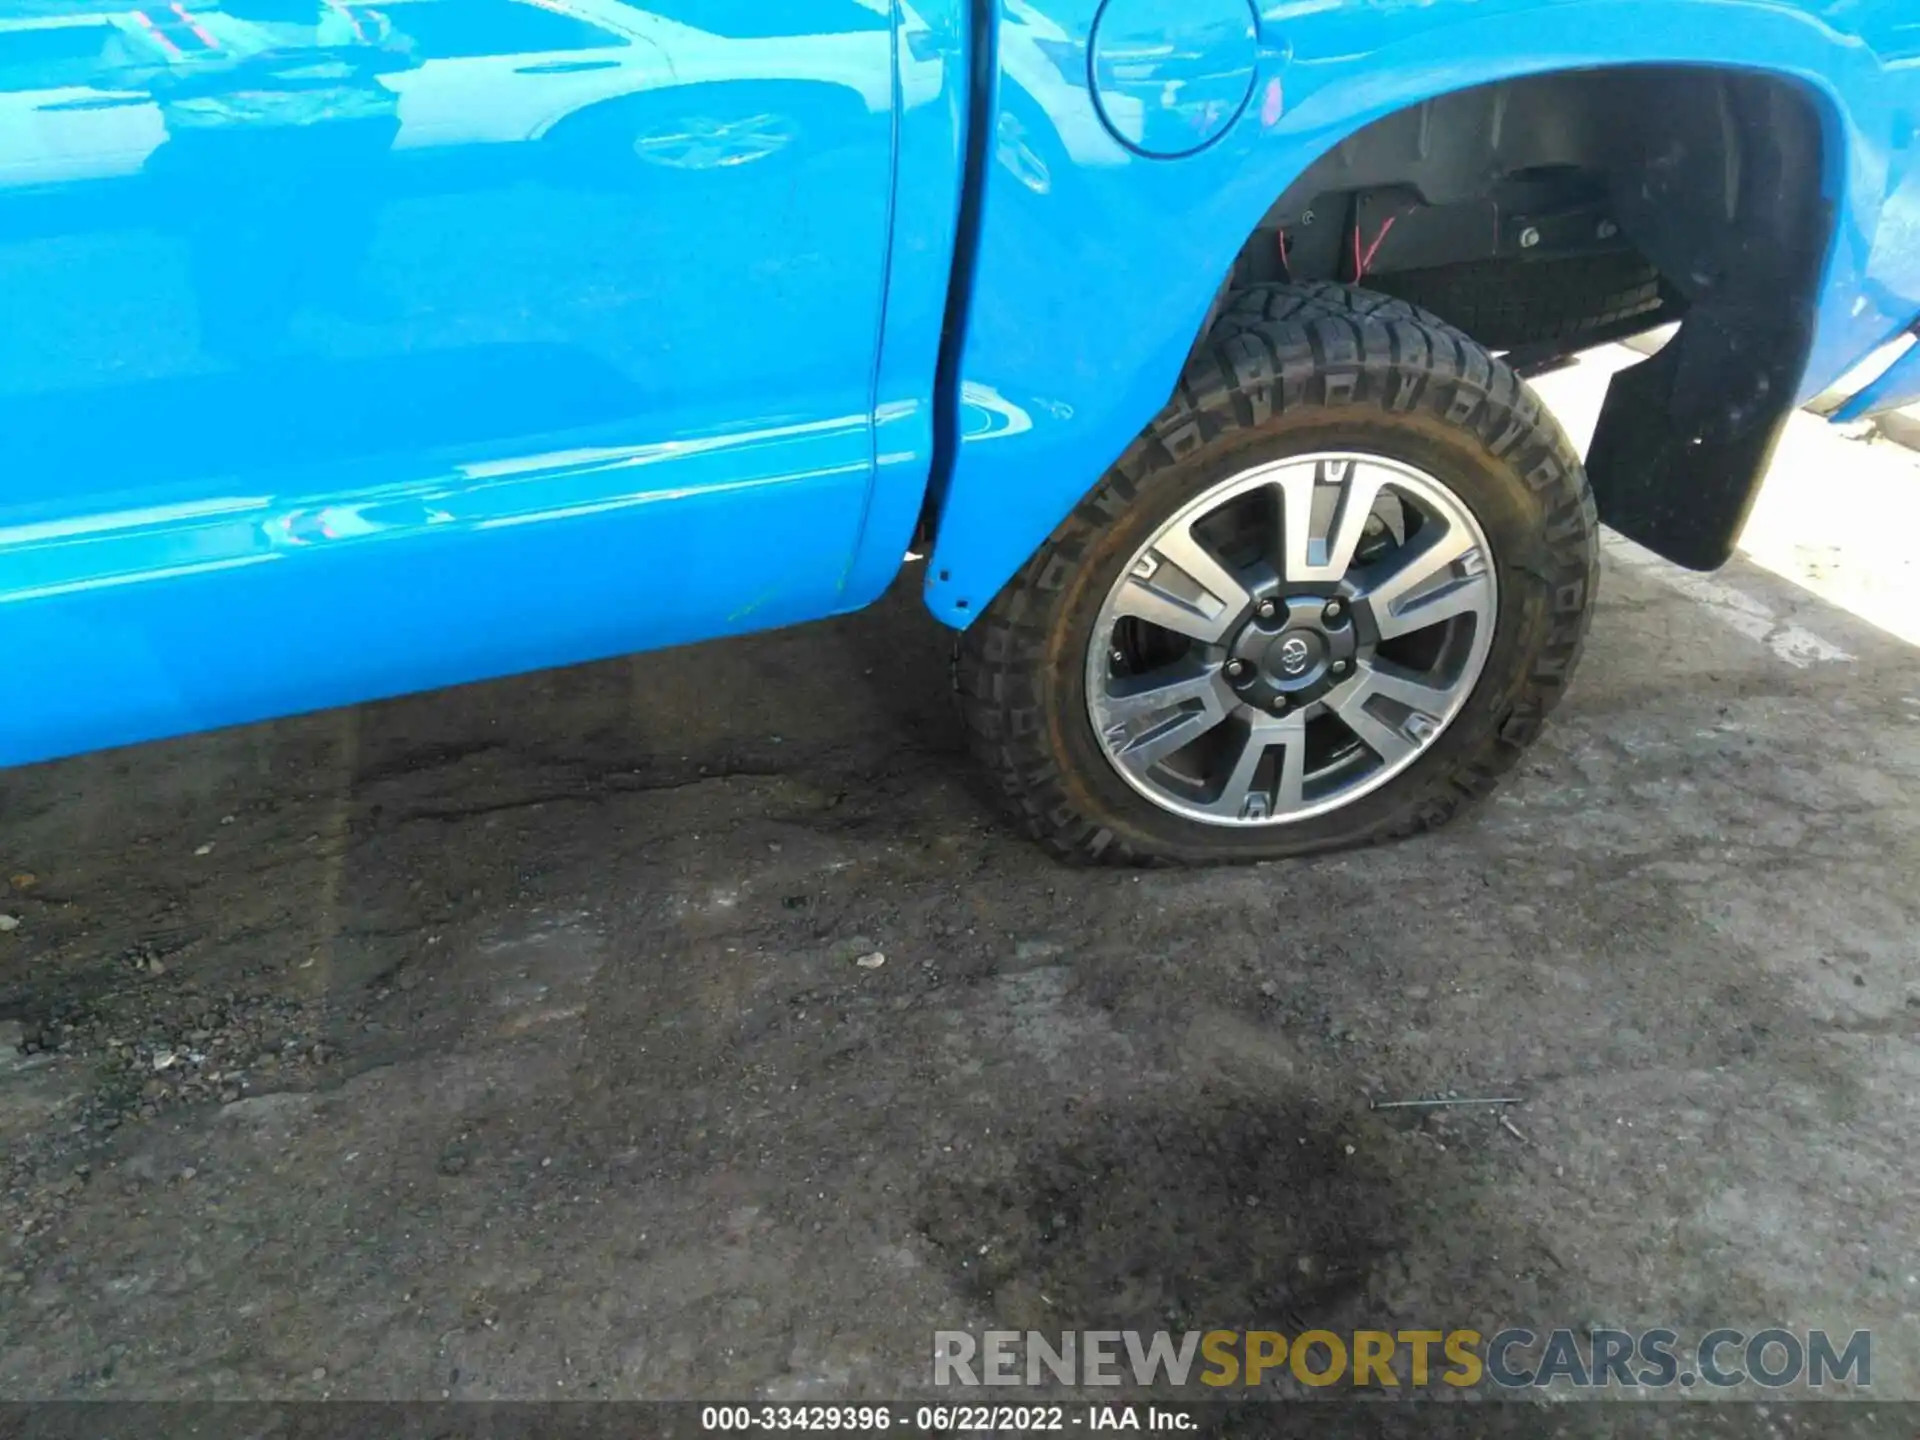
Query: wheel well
x,y
1551,212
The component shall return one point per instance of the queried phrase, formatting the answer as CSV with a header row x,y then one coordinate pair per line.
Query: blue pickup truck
x,y
351,349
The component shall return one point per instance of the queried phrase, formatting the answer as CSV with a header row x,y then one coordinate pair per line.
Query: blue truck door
x,y
352,349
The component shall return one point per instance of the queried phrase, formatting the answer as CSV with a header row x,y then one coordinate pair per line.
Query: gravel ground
x,y
691,1026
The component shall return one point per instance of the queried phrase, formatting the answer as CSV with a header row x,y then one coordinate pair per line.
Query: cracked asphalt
x,y
513,1042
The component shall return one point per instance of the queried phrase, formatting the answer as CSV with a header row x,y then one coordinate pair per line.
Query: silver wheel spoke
x,y
1179,731
1444,578
1179,546
1123,713
1290,793
1308,557
1150,694
1139,599
1396,682
1391,742
1201,599
1379,737
1239,797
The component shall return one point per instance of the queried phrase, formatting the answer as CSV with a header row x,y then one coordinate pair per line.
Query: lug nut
x,y
1236,669
1333,611
1266,609
1279,703
1339,667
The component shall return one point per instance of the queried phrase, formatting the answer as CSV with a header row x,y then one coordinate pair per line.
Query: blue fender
x,y
1897,385
1097,257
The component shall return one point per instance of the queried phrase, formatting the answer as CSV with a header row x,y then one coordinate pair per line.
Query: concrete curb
x,y
1902,427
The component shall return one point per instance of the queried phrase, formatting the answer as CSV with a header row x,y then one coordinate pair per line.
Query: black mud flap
x,y
1720,205
1687,436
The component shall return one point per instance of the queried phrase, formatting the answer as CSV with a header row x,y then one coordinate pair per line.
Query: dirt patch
x,y
1095,1229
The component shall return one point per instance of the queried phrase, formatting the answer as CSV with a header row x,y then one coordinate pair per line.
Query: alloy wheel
x,y
1292,639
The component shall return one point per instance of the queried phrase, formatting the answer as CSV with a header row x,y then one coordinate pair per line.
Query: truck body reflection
x,y
335,184
277,123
